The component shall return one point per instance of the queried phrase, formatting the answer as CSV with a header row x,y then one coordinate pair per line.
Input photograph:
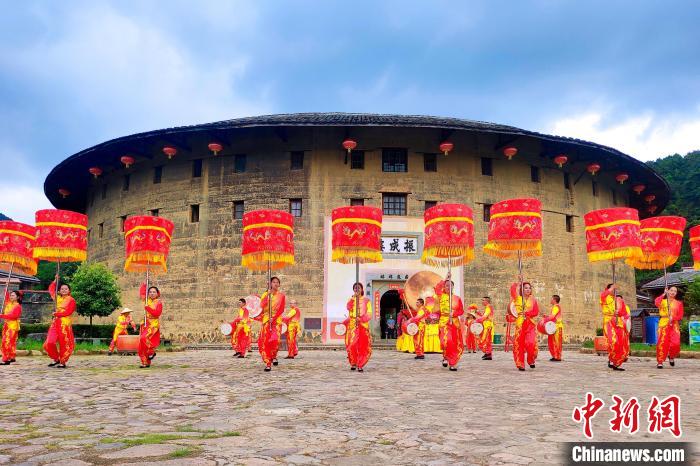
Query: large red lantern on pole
x,y
61,236
449,235
695,246
661,241
147,243
17,247
268,240
515,229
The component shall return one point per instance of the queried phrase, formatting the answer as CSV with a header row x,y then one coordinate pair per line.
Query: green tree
x,y
46,272
95,291
692,297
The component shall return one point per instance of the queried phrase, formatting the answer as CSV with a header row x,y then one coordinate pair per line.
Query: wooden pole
x,y
7,286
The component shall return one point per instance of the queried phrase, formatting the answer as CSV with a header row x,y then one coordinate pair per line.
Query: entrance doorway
x,y
389,308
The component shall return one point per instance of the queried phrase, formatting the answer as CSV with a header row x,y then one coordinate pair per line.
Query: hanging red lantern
x,y
95,171
446,147
510,151
593,168
622,177
652,208
561,159
349,144
170,151
638,188
215,147
127,160
649,198
64,192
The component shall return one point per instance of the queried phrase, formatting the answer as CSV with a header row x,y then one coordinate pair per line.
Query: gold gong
x,y
420,285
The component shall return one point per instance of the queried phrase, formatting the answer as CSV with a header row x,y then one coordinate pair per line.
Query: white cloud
x,y
647,136
20,202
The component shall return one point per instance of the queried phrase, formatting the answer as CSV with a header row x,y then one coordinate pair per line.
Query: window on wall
x,y
295,207
430,162
122,221
157,174
126,181
534,174
239,163
614,196
594,187
297,157
358,202
154,212
394,160
394,204
197,168
486,166
487,212
104,191
429,204
194,213
570,223
100,230
357,160
238,210
567,181
312,323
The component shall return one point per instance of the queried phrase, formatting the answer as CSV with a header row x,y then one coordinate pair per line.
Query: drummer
x,y
123,322
486,337
554,340
471,338
419,319
240,334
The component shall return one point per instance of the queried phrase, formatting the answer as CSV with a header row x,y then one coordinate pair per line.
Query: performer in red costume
x,y
525,339
240,337
149,339
11,314
419,319
618,329
486,339
668,343
269,339
555,341
358,340
61,330
450,329
607,306
292,320
471,339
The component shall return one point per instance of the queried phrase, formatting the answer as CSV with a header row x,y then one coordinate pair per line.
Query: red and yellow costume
x,y
607,306
358,341
486,339
668,344
525,338
123,322
292,320
240,335
10,330
431,342
618,337
61,330
404,342
470,338
150,332
418,338
554,341
269,338
451,339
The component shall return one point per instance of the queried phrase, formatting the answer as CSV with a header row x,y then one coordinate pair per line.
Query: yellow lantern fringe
x,y
440,256
146,261
509,249
60,254
23,264
615,254
652,261
258,261
350,255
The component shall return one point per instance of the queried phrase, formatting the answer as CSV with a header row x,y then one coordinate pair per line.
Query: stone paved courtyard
x,y
205,408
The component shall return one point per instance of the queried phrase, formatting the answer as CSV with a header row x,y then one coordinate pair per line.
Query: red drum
x,y
340,329
477,328
127,343
226,329
412,328
252,303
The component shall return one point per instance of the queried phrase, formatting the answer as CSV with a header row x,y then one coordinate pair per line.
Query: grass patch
x,y
645,347
184,452
148,439
36,345
385,442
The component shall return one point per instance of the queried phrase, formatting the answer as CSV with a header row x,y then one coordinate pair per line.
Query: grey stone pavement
x,y
206,408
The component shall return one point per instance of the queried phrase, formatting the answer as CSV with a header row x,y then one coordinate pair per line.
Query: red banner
x,y
268,238
515,226
17,247
147,242
613,234
662,238
357,234
61,236
449,235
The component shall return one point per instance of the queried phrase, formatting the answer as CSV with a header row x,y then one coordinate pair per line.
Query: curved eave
x,y
73,171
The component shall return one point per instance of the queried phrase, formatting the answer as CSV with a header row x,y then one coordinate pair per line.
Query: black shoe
x,y
13,360
452,368
353,368
53,364
484,356
532,366
616,368
444,363
240,356
275,362
419,357
5,363
143,367
359,369
289,357
236,354
610,365
670,361
61,366
487,357
521,369
150,358
109,353
268,369
659,366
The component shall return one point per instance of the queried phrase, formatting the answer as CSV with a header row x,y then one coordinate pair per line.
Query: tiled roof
x,y
674,278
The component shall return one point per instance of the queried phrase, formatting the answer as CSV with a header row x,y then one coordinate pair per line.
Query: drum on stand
x,y
128,343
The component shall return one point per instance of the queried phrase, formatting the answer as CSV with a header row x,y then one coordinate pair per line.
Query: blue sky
x,y
73,74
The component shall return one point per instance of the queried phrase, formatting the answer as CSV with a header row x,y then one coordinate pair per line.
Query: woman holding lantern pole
x,y
451,338
10,330
358,341
607,306
269,339
668,343
525,339
61,330
150,330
